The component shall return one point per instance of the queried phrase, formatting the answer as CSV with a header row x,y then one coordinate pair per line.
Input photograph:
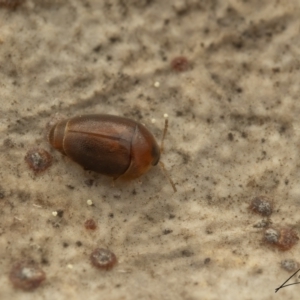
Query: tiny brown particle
x,y
38,160
103,259
288,238
90,224
26,276
180,64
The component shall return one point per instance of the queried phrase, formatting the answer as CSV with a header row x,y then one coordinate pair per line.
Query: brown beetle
x,y
110,145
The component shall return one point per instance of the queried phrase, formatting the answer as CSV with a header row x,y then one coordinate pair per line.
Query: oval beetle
x,y
110,145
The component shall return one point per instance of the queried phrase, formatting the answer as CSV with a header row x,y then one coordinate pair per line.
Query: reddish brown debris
x,y
284,238
288,238
38,160
90,224
26,276
180,64
103,259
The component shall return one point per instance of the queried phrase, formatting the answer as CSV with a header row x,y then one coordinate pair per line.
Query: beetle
x,y
110,145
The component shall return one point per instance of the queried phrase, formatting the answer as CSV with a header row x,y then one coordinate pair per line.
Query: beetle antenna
x,y
164,133
162,167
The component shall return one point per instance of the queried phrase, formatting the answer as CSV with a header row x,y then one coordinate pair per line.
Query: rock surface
x,y
232,96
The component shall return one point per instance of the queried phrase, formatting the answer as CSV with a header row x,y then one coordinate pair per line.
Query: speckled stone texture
x,y
234,135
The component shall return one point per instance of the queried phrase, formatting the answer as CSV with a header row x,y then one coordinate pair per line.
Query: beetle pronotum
x,y
111,145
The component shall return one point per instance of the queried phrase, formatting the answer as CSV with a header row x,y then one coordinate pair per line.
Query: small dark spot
x,y
282,129
180,64
7,143
171,216
60,213
207,260
71,187
167,231
89,182
103,259
133,192
238,44
230,136
26,276
108,57
286,182
179,113
90,224
65,245
38,160
185,157
276,70
149,218
111,215
239,90
182,10
263,140
244,135
45,261
55,224
97,48
86,4
2,193
114,39
187,253
23,196
209,198
78,244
